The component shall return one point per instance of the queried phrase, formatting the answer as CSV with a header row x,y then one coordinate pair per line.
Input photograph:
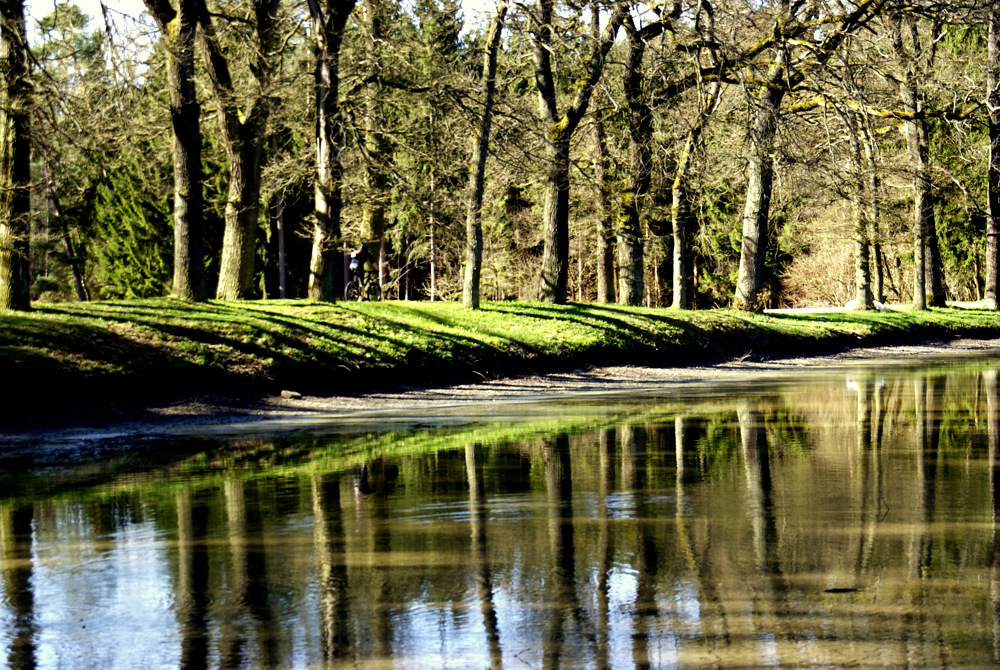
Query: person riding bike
x,y
357,288
359,257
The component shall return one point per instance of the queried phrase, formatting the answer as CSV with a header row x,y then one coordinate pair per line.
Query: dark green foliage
x,y
133,235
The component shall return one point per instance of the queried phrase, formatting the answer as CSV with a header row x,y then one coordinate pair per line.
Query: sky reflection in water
x,y
844,520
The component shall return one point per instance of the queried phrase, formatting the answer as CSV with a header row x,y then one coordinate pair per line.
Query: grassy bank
x,y
76,356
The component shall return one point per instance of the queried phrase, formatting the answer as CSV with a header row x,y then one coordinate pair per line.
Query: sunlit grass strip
x,y
164,349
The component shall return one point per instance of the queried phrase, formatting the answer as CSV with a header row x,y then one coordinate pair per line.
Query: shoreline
x,y
233,415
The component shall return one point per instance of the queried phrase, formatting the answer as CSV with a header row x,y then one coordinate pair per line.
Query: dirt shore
x,y
215,415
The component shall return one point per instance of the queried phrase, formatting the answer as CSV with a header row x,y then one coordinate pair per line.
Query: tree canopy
x,y
695,153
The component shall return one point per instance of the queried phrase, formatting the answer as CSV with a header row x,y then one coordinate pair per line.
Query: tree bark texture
x,y
605,248
477,173
862,264
992,291
329,21
640,129
555,224
630,256
753,250
242,132
178,28
15,159
680,212
872,212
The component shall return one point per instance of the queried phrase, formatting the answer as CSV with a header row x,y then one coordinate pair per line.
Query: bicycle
x,y
357,289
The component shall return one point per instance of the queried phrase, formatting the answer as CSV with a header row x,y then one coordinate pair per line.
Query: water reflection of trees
x,y
822,526
18,596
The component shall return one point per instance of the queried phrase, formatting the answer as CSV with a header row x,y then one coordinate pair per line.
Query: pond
x,y
843,519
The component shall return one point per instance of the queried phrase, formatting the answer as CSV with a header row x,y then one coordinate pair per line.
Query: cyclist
x,y
356,288
359,257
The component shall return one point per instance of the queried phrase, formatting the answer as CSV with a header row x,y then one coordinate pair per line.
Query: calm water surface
x,y
847,520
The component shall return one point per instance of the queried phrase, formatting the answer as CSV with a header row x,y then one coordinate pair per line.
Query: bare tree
x,y
796,28
926,260
477,174
243,128
560,129
178,28
640,130
680,212
605,240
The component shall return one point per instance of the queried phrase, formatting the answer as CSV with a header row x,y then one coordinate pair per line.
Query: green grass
x,y
78,355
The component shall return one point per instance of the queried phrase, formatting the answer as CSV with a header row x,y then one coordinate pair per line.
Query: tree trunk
x,y
242,127
934,271
756,211
926,259
376,190
15,159
993,173
862,246
432,225
872,209
477,175
922,206
555,225
640,128
236,267
605,245
680,213
862,269
178,28
328,25
630,265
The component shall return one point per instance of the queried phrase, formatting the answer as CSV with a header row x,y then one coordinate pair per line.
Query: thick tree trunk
x,y
862,246
630,257
640,127
243,127
189,265
477,175
555,225
236,267
756,211
15,159
922,204
871,211
993,174
934,270
324,270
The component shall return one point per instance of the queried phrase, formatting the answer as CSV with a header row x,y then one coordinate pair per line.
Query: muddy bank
x,y
122,423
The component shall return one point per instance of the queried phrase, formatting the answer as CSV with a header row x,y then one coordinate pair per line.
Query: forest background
x,y
693,154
